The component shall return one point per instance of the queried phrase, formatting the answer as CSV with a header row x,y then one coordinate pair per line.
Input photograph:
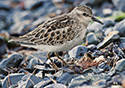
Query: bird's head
x,y
84,14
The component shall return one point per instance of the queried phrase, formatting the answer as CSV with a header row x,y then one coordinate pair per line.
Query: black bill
x,y
96,20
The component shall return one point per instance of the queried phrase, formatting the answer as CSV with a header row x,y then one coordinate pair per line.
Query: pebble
x,y
13,61
77,52
57,85
107,12
3,46
65,78
91,38
108,39
120,27
120,65
120,4
14,78
28,80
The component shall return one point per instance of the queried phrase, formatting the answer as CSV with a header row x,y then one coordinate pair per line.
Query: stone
x,y
108,22
120,4
120,65
33,4
32,63
77,52
107,12
107,30
43,83
91,47
108,39
28,80
14,78
100,58
79,81
3,46
4,6
57,85
120,27
94,27
65,78
13,61
121,42
92,38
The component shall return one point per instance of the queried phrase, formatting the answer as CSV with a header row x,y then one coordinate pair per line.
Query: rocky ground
x,y
99,62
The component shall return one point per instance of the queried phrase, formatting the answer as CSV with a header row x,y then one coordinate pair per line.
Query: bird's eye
x,y
84,14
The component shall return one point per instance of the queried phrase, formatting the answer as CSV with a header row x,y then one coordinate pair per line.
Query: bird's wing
x,y
55,31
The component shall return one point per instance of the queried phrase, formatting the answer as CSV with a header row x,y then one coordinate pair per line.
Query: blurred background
x,y
18,17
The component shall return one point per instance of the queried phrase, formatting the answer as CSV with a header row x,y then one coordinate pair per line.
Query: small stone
x,y
107,12
121,43
57,85
120,27
100,58
92,39
108,22
32,63
77,52
94,27
65,78
3,46
13,61
14,78
110,29
120,65
79,81
28,80
108,39
120,4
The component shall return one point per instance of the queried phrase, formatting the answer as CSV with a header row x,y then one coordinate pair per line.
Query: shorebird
x,y
60,33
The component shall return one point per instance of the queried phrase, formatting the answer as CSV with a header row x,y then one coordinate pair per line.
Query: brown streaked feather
x,y
49,32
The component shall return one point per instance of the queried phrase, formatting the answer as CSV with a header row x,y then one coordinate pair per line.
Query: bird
x,y
60,33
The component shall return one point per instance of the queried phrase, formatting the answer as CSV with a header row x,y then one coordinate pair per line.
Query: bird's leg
x,y
53,64
60,58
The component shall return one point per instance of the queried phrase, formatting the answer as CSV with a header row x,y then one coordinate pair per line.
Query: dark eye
x,y
84,14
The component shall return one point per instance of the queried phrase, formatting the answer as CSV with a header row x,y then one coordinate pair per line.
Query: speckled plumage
x,y
59,33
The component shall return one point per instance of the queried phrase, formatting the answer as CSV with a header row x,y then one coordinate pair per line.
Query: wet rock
x,y
57,85
13,61
78,51
28,80
92,39
120,4
3,46
65,78
107,40
14,78
120,65
120,27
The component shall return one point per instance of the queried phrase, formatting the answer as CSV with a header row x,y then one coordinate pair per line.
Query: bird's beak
x,y
96,20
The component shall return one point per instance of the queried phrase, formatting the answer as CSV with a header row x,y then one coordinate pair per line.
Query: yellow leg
x,y
53,64
60,59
